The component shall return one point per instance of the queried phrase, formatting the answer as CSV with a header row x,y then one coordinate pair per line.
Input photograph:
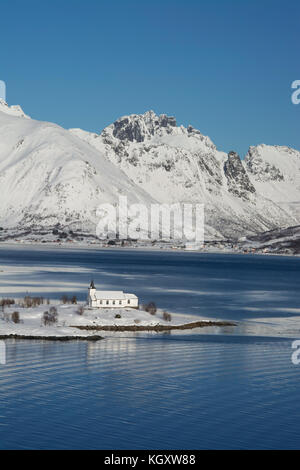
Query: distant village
x,y
70,237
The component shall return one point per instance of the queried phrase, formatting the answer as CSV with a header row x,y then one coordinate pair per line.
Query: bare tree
x,y
50,318
150,308
167,316
64,299
15,317
80,310
6,303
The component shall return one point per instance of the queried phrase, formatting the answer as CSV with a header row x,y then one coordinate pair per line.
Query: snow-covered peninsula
x,y
69,321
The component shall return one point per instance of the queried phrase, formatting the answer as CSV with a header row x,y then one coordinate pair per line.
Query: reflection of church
x,y
112,348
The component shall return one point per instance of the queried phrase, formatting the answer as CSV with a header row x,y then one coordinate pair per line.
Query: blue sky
x,y
224,66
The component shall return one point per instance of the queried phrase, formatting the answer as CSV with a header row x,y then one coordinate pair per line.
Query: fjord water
x,y
219,389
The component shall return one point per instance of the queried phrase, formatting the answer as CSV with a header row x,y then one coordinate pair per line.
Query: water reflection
x,y
228,387
172,391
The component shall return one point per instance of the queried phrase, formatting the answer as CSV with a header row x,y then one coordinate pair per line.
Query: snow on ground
x,y
31,320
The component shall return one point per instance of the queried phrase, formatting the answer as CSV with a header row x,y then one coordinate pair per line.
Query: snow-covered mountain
x,y
49,175
176,164
275,172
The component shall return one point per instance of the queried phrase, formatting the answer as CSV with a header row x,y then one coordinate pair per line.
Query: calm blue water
x,y
219,286
155,391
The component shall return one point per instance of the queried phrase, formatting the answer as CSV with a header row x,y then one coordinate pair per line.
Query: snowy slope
x,y
275,172
177,164
49,176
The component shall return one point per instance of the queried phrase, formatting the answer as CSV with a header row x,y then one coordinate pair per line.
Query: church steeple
x,y
92,294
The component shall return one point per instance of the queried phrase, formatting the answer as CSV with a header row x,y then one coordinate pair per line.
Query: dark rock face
x,y
137,128
125,129
165,121
238,181
261,169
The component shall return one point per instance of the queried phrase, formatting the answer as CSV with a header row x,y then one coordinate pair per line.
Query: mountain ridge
x,y
200,172
52,176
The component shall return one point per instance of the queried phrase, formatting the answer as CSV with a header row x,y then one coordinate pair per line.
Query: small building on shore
x,y
110,299
193,246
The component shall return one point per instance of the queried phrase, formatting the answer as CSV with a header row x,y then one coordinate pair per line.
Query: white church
x,y
110,299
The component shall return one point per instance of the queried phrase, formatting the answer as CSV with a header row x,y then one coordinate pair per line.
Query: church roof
x,y
113,295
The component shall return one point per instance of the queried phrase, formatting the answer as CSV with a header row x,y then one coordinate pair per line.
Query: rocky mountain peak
x,y
146,157
238,181
262,167
141,127
14,110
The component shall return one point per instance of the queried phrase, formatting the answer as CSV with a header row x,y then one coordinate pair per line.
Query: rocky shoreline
x,y
186,326
115,328
51,338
